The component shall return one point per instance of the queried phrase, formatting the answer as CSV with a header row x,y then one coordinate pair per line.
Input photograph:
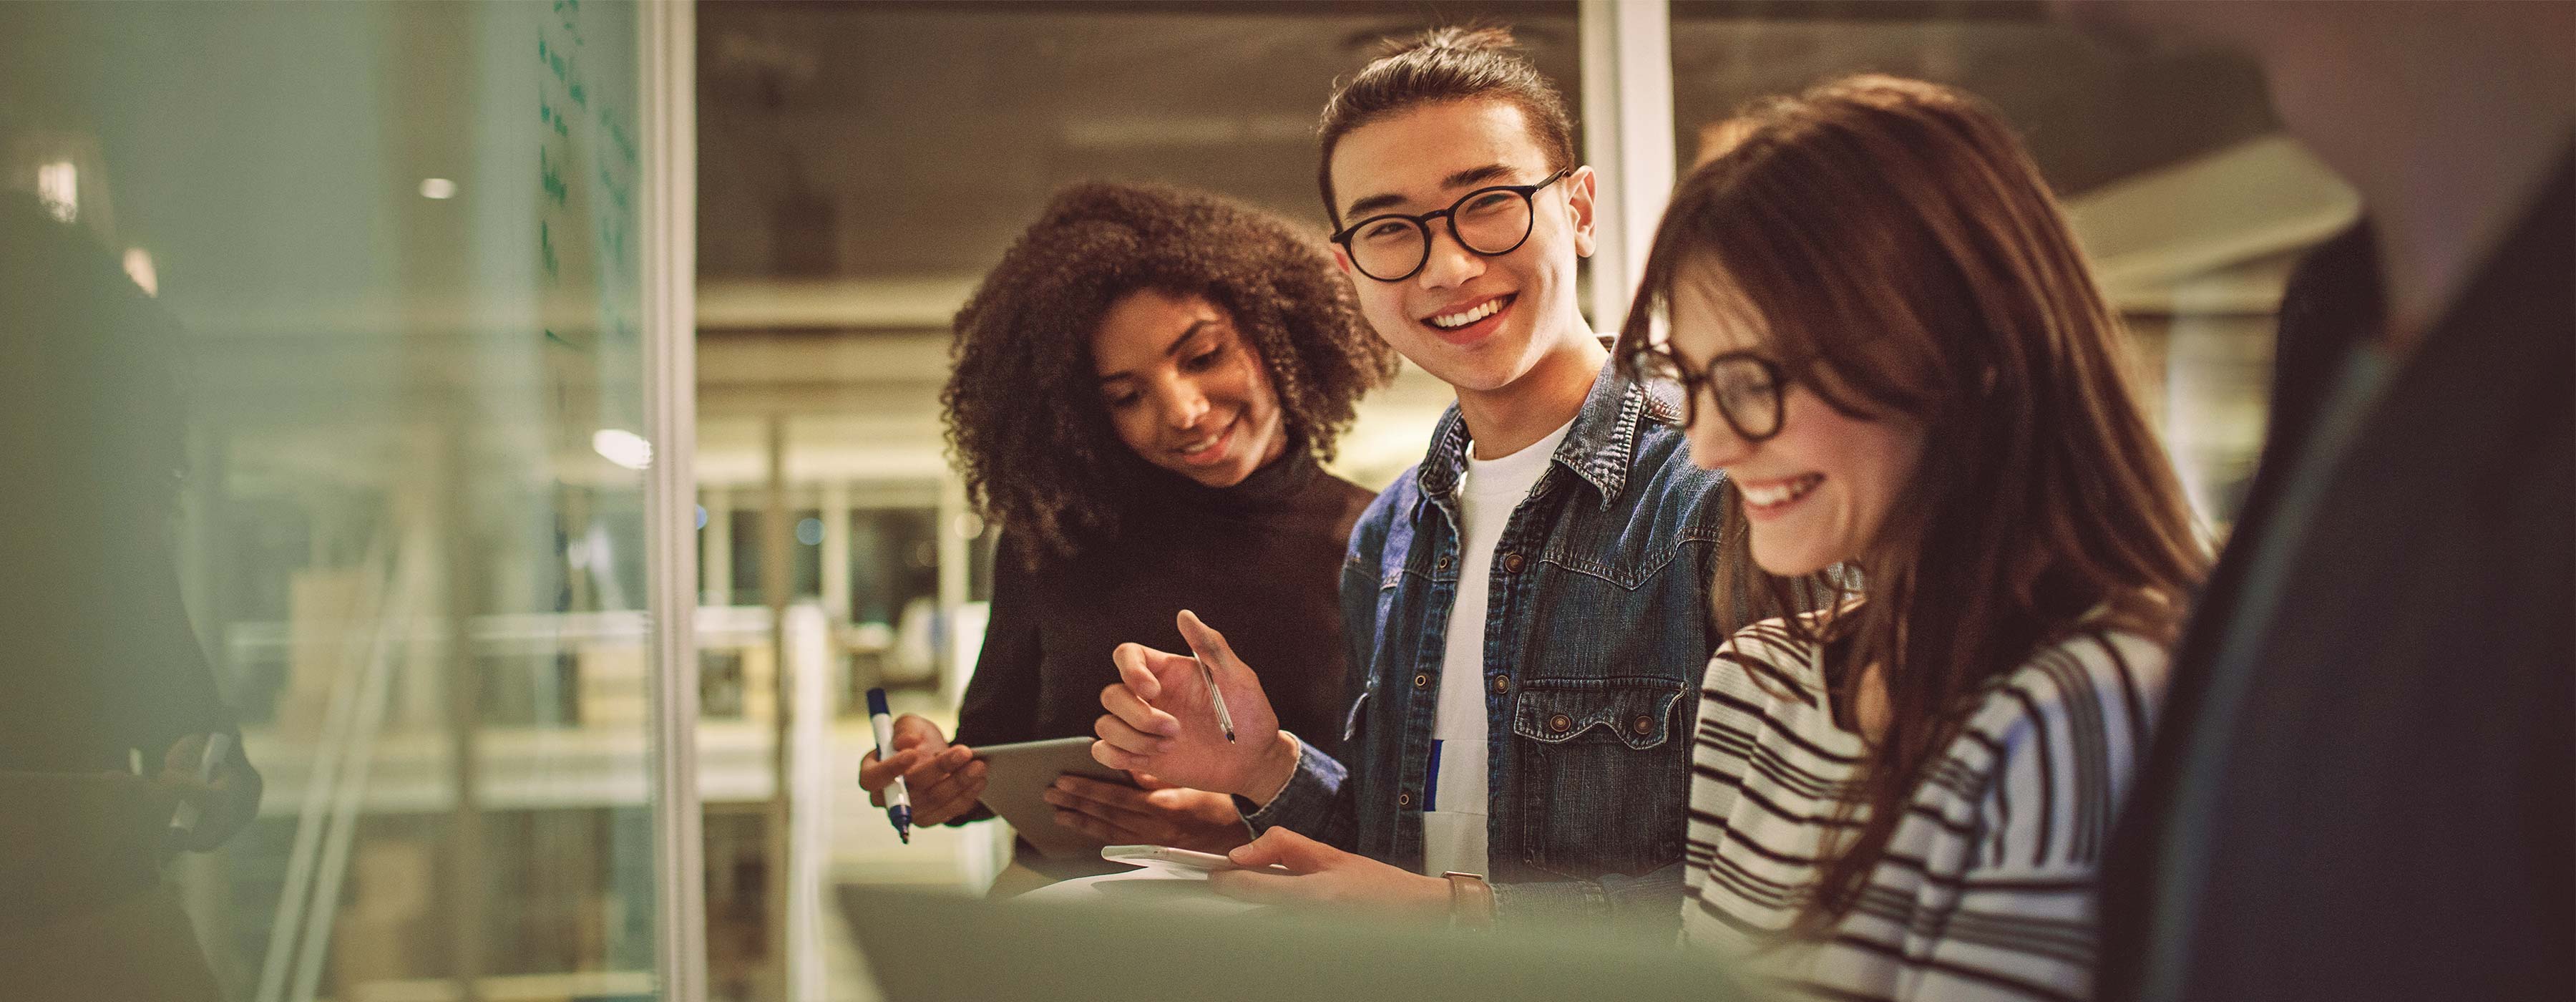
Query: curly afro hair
x,y
1024,412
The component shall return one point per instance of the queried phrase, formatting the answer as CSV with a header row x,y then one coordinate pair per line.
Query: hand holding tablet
x,y
1016,782
1186,859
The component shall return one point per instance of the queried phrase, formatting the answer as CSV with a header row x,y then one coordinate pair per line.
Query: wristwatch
x,y
1471,901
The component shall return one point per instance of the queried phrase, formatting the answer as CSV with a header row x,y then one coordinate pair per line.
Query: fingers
x,y
240,786
924,780
1121,702
929,768
1101,828
948,794
1208,644
1282,847
1109,801
1263,888
1136,672
1107,754
184,754
952,798
913,731
1128,739
875,774
1318,873
1177,799
919,748
1095,808
924,772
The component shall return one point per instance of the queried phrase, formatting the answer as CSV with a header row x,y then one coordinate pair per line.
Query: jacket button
x,y
1511,563
1642,725
1422,680
1560,723
1502,684
1444,563
1404,800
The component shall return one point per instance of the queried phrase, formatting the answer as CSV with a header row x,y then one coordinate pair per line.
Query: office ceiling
x,y
910,141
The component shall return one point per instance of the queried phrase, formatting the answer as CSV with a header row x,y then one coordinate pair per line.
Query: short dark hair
x,y
1439,66
1024,411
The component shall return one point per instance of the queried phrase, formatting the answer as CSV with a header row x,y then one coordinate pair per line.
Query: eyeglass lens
x,y
1743,387
1490,221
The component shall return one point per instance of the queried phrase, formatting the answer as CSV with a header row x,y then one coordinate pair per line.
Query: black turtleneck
x,y
1260,561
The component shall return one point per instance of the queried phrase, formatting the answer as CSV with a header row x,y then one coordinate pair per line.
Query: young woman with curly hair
x,y
1144,388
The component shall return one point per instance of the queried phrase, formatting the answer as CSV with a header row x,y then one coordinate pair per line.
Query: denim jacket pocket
x,y
1637,712
1606,772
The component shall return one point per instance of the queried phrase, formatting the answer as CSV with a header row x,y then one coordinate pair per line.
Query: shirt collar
x,y
1597,449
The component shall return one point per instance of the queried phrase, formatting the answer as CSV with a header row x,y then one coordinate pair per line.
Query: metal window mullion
x,y
1628,138
668,47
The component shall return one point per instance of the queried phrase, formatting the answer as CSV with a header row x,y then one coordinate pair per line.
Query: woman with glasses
x,y
1144,388
1894,349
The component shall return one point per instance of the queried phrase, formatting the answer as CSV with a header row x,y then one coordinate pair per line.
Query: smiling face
x,y
1185,389
1479,323
1817,492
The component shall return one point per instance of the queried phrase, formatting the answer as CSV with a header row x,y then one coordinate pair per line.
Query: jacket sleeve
x,y
1316,802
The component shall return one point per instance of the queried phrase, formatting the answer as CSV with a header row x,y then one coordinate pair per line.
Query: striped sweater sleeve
x,y
2012,823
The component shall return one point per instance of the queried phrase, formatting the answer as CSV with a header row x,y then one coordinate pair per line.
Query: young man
x,y
2362,790
1528,608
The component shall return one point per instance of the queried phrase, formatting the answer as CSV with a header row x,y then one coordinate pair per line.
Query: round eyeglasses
x,y
1748,388
1392,247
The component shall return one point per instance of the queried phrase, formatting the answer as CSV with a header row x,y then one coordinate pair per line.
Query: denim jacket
x,y
1598,630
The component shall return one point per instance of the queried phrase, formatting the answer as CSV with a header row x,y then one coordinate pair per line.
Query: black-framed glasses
x,y
1392,247
1748,388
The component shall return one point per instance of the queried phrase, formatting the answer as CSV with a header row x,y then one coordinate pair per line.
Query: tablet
x,y
1019,773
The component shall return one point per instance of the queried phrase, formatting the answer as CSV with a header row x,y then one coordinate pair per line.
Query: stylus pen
x,y
1216,698
898,804
218,745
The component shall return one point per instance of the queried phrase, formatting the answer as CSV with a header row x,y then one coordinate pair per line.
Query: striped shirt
x,y
1986,890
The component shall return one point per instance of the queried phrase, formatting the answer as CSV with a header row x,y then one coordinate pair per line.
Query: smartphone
x,y
1188,859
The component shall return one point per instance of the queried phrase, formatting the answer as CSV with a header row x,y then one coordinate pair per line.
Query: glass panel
x,y
367,277
2167,160
861,166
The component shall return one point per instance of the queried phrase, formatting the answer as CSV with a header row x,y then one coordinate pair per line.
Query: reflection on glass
x,y
394,247
2166,159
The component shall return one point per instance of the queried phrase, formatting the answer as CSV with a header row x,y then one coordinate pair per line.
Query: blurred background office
x,y
556,385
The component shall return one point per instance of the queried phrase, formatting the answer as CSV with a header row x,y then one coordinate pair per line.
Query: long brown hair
x,y
1439,66
1895,243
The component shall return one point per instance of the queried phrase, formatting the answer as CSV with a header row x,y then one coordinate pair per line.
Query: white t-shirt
x,y
1454,804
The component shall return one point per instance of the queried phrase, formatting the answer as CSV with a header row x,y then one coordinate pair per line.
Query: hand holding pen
x,y
898,799
942,780
1165,719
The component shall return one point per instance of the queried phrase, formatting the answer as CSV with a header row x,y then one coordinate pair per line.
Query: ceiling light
x,y
58,186
138,266
622,447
